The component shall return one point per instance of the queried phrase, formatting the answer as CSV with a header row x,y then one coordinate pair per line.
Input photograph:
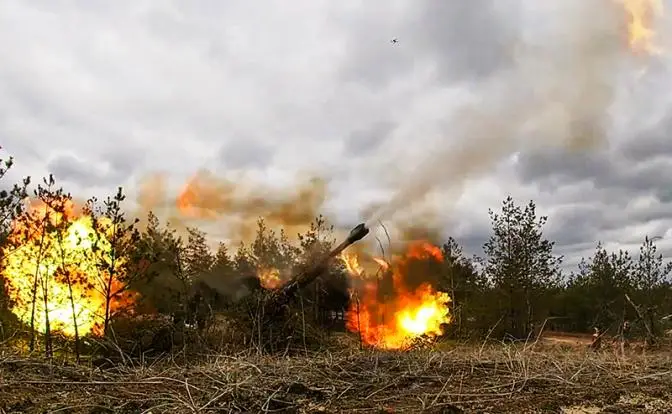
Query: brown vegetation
x,y
493,378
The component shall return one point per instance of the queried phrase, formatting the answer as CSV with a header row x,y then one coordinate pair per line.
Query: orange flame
x,y
351,262
408,313
383,264
269,278
52,265
641,16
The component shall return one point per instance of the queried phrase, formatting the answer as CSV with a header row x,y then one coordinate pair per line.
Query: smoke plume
x,y
238,204
557,94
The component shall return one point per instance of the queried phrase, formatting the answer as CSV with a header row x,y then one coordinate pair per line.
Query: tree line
x,y
518,287
515,289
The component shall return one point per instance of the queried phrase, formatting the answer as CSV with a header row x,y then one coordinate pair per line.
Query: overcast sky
x,y
103,93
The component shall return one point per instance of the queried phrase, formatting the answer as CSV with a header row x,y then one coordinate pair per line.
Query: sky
x,y
475,101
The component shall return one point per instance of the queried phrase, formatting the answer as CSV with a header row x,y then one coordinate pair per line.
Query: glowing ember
x,y
407,313
269,278
641,16
45,267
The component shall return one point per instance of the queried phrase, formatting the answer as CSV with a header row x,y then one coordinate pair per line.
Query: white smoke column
x,y
557,94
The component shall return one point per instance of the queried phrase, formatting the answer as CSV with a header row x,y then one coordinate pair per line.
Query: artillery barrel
x,y
282,295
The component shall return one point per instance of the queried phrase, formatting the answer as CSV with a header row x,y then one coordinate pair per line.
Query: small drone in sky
x,y
394,41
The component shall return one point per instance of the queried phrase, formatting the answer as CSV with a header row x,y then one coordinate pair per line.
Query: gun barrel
x,y
283,294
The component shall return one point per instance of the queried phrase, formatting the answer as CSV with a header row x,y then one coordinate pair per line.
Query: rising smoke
x,y
207,197
557,93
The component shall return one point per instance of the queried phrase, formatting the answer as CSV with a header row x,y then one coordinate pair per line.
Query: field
x,y
449,378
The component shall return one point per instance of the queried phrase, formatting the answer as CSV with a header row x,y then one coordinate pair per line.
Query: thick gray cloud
x,y
625,194
472,40
244,153
366,141
654,142
462,41
107,170
626,168
70,168
102,94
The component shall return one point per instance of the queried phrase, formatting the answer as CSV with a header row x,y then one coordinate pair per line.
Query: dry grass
x,y
448,378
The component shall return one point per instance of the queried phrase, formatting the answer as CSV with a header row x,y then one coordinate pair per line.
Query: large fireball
x,y
269,277
393,320
51,266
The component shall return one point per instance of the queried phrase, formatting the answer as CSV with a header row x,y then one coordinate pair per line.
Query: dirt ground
x,y
447,379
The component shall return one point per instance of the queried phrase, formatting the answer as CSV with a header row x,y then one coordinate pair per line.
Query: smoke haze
x,y
557,93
